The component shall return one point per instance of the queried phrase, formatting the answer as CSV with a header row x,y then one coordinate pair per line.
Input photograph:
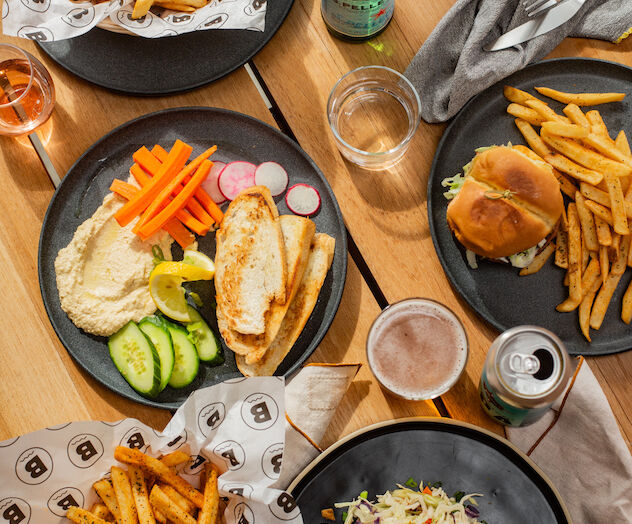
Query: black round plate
x,y
496,291
161,66
460,456
238,137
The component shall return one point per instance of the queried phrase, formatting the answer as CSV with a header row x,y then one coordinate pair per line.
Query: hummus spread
x,y
103,274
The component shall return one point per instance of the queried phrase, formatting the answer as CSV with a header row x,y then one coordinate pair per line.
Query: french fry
x,y
82,516
101,510
532,138
607,148
105,491
141,8
567,279
181,501
567,130
567,187
587,222
174,6
154,466
590,276
626,305
574,254
604,263
576,115
603,197
600,211
621,262
604,237
622,144
613,250
175,458
123,491
210,509
561,249
569,167
539,260
168,507
517,96
580,99
584,310
603,300
525,113
141,497
617,206
586,157
594,117
544,110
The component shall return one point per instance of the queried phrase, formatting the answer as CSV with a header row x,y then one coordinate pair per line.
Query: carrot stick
x,y
173,165
139,175
163,197
159,152
178,202
129,191
148,161
174,227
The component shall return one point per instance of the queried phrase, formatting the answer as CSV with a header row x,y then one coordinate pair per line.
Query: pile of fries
x,y
150,491
141,7
593,238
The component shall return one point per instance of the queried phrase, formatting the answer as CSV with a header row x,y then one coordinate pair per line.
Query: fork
x,y
535,7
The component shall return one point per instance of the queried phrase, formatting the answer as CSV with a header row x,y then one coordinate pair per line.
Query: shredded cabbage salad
x,y
430,505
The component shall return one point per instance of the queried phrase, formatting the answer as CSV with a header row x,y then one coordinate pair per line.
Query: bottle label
x,y
357,18
505,413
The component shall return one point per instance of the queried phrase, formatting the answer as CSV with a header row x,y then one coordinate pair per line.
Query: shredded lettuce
x,y
524,258
454,185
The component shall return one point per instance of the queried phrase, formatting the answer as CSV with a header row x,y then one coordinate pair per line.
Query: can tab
x,y
525,364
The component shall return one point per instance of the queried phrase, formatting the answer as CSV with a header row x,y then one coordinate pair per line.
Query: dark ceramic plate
x,y
460,456
86,183
496,291
161,66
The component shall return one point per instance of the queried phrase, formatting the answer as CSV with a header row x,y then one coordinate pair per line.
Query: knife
x,y
544,23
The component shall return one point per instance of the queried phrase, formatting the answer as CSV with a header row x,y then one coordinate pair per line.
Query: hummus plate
x,y
81,192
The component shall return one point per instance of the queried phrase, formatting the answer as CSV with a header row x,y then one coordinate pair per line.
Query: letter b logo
x,y
260,411
34,466
14,511
84,450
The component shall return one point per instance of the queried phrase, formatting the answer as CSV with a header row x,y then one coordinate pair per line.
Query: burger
x,y
506,204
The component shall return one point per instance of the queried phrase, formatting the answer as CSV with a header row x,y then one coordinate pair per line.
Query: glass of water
x,y
373,112
27,94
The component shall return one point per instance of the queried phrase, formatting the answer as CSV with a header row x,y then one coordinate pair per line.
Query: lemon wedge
x,y
165,287
197,259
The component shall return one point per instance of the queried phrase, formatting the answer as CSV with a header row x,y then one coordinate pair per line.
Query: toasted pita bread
x,y
320,259
298,233
250,265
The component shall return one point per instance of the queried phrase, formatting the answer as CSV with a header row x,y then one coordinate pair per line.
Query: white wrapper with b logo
x,y
50,20
238,425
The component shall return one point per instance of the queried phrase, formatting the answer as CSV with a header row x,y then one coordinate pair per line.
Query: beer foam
x,y
417,349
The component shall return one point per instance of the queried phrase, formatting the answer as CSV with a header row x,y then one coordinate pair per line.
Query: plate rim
x,y
190,87
486,316
336,296
438,421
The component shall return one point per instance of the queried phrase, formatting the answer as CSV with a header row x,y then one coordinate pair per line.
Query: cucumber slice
x,y
156,329
206,342
187,362
136,358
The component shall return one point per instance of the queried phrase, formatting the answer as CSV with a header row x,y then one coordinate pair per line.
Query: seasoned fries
x,y
127,499
142,7
593,244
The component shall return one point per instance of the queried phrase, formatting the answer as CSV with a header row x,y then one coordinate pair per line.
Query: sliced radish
x,y
236,177
302,199
273,176
210,184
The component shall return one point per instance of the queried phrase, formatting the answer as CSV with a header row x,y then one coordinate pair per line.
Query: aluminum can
x,y
526,370
356,19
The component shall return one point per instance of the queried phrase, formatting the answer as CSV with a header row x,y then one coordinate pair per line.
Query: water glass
x,y
373,112
27,93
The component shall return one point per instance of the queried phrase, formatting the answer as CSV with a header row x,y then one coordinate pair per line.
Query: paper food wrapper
x,y
49,20
238,425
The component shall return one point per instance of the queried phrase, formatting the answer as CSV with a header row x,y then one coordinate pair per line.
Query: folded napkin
x,y
579,446
311,399
451,66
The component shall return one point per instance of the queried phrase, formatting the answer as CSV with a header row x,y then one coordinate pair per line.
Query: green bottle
x,y
356,20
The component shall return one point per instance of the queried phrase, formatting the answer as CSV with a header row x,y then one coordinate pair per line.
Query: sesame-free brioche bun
x,y
509,202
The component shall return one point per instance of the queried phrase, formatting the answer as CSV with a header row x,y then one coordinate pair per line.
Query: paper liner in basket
x,y
239,425
49,20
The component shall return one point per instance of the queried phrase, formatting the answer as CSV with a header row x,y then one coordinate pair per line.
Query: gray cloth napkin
x,y
451,66
583,454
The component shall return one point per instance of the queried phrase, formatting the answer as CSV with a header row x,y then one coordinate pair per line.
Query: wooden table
x,y
385,216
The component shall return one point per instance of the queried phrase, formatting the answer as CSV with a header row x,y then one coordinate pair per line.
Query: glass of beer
x,y
417,349
27,93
